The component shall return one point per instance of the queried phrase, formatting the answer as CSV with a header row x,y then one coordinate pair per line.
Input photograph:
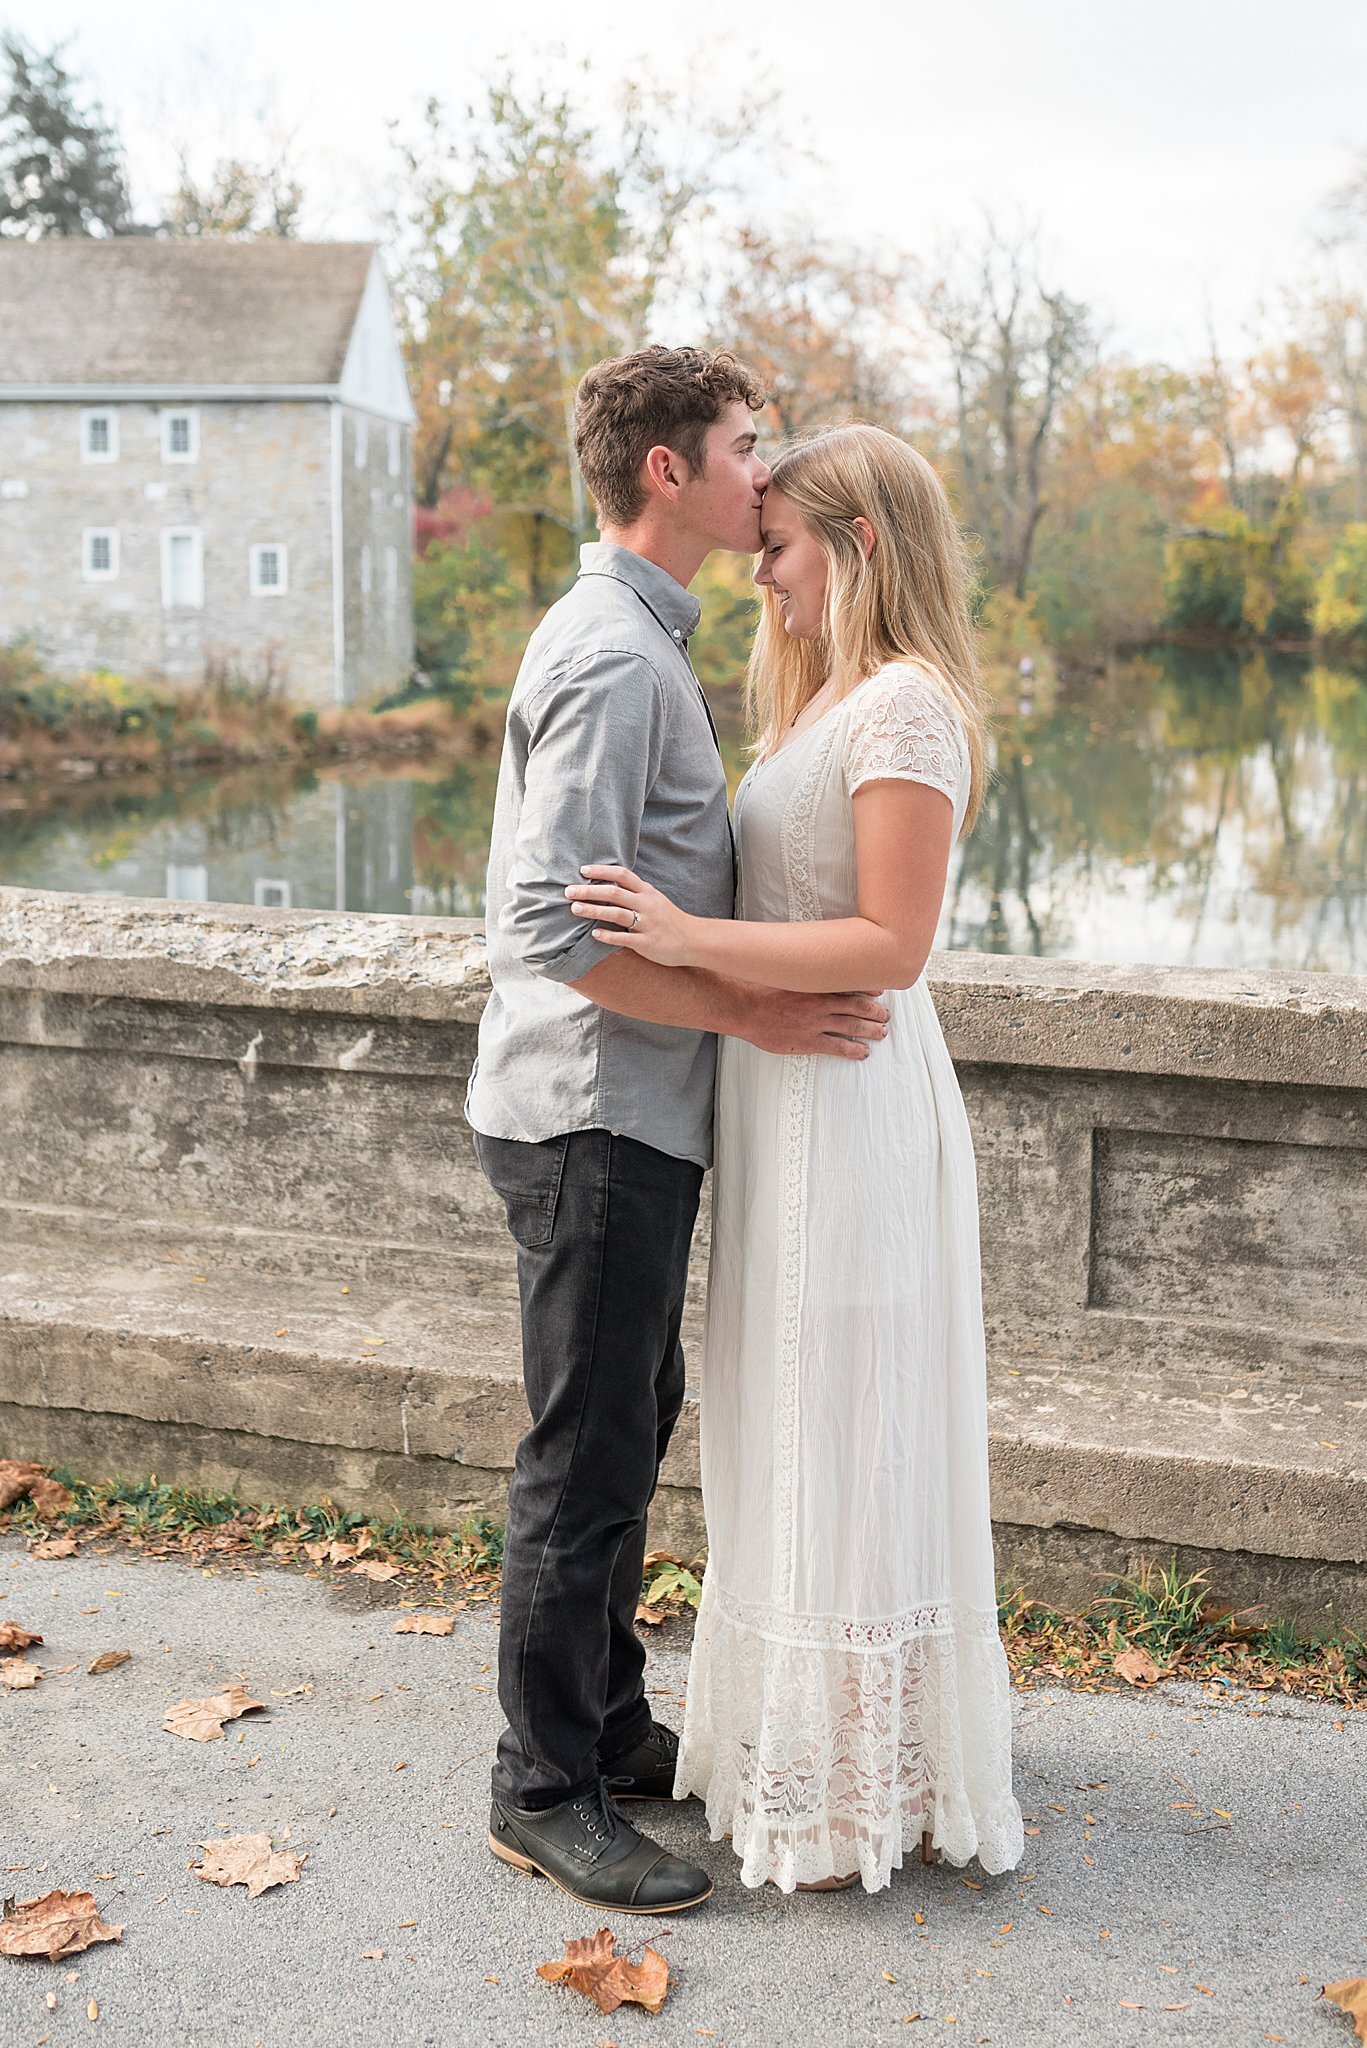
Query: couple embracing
x,y
848,1694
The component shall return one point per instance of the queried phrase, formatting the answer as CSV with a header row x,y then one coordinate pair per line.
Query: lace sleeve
x,y
905,727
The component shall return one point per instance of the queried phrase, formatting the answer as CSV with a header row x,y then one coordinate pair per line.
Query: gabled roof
x,y
136,310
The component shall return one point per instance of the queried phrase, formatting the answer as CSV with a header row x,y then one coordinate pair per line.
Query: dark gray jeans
x,y
603,1226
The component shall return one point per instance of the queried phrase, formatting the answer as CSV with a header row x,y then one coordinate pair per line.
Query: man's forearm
x,y
689,997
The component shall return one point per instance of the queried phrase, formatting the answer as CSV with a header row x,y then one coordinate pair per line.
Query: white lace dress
x,y
848,1686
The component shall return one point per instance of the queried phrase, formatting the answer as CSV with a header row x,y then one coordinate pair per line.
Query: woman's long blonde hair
x,y
907,601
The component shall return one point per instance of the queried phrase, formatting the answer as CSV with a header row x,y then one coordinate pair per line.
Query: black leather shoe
x,y
647,1771
587,1848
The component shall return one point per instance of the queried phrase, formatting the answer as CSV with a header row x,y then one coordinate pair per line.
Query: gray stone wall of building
x,y
378,552
262,475
244,1241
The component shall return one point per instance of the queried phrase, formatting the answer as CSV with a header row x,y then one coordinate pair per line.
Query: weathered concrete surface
x,y
232,1150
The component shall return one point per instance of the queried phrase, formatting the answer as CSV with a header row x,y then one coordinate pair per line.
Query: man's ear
x,y
665,470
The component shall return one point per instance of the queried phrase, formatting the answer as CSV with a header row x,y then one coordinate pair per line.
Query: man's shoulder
x,y
597,619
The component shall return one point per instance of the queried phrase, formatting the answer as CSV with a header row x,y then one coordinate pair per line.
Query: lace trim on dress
x,y
905,726
822,1762
836,1632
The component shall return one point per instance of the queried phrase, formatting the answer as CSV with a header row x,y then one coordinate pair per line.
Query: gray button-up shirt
x,y
610,755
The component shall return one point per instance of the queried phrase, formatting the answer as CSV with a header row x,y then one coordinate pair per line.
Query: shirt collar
x,y
677,611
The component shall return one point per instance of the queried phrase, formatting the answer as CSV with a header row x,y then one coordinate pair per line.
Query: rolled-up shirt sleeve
x,y
594,737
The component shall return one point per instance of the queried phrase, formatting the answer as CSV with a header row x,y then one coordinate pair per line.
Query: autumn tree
x,y
236,201
531,244
820,325
61,163
1015,349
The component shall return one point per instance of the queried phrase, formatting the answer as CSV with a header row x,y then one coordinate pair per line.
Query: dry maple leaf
x,y
54,1546
1351,1995
18,1676
373,1569
202,1720
249,1860
17,1479
591,1965
12,1637
1137,1667
59,1924
109,1660
425,1625
650,1617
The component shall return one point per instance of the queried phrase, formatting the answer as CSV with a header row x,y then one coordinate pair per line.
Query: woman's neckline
x,y
765,759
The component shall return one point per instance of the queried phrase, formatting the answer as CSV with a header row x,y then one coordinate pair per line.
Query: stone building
x,y
205,456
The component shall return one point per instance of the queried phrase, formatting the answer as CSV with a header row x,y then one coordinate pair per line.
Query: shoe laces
x,y
593,1815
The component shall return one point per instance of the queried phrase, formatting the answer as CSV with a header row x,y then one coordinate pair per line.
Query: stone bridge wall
x,y
244,1242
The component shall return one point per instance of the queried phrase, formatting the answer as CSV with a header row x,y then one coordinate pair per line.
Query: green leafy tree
x,y
61,164
1341,597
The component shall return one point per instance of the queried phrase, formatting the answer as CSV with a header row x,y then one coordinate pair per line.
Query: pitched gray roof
x,y
140,311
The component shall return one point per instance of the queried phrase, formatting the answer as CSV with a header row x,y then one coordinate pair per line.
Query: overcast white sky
x,y
1172,151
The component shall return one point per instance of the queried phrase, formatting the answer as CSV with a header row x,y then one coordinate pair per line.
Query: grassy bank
x,y
1139,1632
57,729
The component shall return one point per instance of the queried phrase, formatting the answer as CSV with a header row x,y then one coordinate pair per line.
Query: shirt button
x,y
677,634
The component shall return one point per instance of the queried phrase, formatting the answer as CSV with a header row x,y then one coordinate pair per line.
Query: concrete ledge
x,y
232,1150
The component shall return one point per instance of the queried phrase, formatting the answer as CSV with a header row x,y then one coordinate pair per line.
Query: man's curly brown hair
x,y
666,397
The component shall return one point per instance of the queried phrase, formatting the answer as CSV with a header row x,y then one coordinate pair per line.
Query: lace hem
x,y
825,1761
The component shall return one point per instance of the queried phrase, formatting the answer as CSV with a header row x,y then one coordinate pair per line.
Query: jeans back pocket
x,y
526,1178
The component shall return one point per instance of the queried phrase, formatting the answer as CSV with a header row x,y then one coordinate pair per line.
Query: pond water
x,y
1189,807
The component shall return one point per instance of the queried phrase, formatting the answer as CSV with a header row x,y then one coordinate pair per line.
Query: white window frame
x,y
367,568
281,892
196,535
254,554
89,415
361,439
187,882
395,450
190,414
391,575
89,535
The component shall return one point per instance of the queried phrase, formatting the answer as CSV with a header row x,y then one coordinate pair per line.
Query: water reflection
x,y
1196,807
1189,807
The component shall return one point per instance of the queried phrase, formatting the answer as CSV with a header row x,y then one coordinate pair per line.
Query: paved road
x,y
1260,1910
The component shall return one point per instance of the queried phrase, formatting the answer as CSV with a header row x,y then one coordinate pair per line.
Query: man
x,y
591,1101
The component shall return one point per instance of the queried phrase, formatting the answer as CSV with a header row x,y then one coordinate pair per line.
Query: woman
x,y
848,1693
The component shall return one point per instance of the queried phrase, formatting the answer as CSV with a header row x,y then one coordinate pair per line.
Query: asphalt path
x,y
1199,1870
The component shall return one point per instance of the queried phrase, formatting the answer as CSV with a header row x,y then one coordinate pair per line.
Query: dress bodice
x,y
794,815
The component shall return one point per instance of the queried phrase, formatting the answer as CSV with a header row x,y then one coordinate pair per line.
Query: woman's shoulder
x,y
909,689
904,721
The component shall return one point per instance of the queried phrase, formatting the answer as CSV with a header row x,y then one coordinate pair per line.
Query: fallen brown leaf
x,y
18,1676
12,1637
592,1965
1350,1995
17,1479
55,1546
373,1568
49,1496
650,1616
249,1860
425,1625
1136,1667
202,1720
59,1924
109,1660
